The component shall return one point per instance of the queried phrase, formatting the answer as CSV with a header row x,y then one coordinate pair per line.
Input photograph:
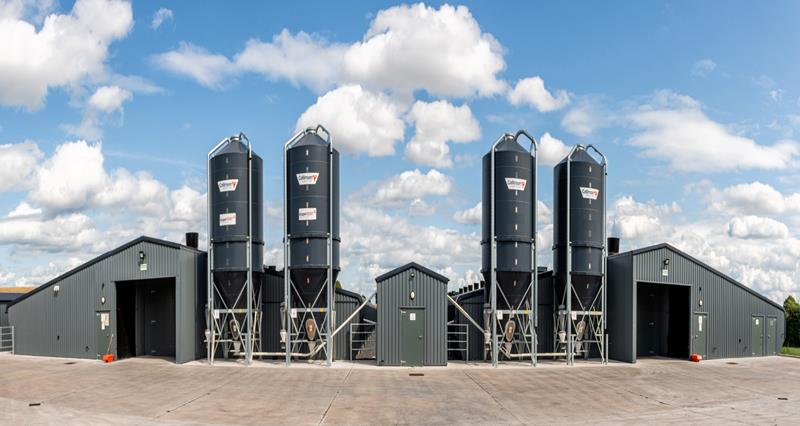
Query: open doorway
x,y
146,318
662,320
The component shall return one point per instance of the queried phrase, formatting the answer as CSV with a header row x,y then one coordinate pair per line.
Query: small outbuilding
x,y
146,297
412,317
664,302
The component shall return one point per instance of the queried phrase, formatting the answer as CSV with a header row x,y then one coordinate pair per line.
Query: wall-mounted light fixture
x,y
56,289
666,262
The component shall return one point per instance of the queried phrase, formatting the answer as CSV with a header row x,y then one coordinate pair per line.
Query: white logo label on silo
x,y
516,184
228,185
307,178
590,193
227,219
307,213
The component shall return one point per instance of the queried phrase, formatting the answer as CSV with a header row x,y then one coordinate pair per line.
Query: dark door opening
x,y
662,320
146,318
126,319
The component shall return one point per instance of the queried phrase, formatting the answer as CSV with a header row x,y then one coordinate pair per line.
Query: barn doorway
x,y
146,318
663,320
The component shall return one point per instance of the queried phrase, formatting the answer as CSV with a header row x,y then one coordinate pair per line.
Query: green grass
x,y
786,350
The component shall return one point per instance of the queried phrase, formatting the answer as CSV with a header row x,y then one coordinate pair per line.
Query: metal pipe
x,y
331,314
568,286
463,312
249,328
350,318
493,262
287,297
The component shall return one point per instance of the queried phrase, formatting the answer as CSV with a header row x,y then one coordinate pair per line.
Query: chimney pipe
x,y
191,239
613,245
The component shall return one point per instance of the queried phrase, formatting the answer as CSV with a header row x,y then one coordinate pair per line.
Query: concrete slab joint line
x,y
338,390
496,401
178,407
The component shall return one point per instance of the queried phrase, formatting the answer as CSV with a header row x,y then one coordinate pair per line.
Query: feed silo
x,y
311,238
508,246
579,253
236,248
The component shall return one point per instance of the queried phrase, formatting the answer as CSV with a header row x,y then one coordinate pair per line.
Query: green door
x,y
757,336
700,335
412,340
104,332
772,331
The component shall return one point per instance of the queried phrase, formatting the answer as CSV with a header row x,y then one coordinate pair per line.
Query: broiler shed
x,y
146,297
664,302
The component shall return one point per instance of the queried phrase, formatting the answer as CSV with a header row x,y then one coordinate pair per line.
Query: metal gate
x,y
7,339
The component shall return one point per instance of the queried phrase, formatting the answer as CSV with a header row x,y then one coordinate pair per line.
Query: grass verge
x,y
786,350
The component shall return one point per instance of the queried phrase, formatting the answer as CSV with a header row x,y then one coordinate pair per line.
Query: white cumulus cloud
x,y
551,150
360,121
472,215
531,91
300,59
443,51
206,68
674,129
757,227
413,184
436,124
18,165
65,51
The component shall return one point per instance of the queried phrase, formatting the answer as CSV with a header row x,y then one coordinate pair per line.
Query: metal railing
x,y
362,338
7,339
458,334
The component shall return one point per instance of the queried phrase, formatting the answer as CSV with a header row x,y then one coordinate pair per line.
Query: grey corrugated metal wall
x,y
3,314
431,294
272,297
544,329
472,302
65,325
346,304
621,315
728,304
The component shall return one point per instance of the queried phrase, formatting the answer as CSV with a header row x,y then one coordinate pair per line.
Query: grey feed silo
x,y
508,246
236,246
579,252
312,241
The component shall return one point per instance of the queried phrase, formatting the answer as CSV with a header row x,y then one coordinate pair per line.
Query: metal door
x,y
104,332
159,318
757,336
772,331
412,332
700,335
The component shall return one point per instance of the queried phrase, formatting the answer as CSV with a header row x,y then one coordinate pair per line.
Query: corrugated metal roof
x,y
702,264
414,265
103,256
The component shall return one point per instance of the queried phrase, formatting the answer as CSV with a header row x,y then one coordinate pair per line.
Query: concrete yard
x,y
37,390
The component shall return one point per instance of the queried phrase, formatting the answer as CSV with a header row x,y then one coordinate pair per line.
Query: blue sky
x,y
697,107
